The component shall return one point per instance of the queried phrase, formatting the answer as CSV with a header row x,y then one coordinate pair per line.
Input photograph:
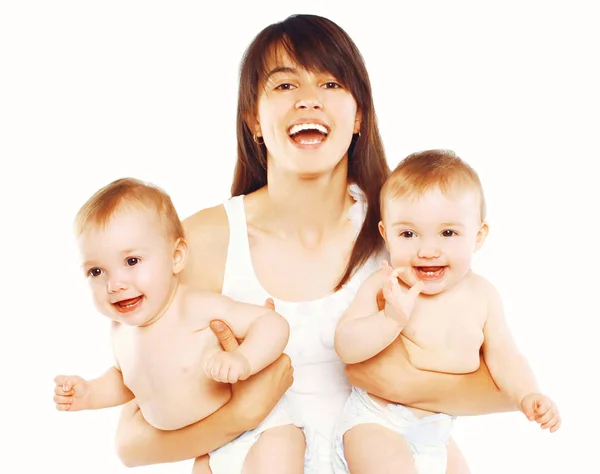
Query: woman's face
x,y
305,119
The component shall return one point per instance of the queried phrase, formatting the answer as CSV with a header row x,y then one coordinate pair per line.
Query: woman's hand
x,y
390,375
254,398
373,375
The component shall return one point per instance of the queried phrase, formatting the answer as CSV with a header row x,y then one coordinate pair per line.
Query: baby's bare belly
x,y
182,404
450,356
166,375
445,360
451,352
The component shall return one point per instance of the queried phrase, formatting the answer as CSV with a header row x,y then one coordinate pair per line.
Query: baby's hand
x,y
72,393
398,303
540,408
227,367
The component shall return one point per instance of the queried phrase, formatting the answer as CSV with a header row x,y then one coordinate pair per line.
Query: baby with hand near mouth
x,y
433,221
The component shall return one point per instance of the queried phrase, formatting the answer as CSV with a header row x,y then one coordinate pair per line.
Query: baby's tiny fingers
x,y
61,399
233,376
546,416
209,368
224,373
403,271
416,289
550,418
215,370
59,379
556,426
63,406
387,269
542,407
58,390
551,422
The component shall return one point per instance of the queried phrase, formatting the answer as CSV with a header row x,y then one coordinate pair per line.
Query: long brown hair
x,y
317,44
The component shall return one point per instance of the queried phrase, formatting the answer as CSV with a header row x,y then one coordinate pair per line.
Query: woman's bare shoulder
x,y
207,236
207,223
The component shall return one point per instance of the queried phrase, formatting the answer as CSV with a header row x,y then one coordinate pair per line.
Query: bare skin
x,y
391,376
282,446
251,401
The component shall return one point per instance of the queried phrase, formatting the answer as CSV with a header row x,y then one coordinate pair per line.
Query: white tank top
x,y
320,385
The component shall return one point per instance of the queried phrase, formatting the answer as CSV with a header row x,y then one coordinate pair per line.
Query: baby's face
x,y
435,235
129,265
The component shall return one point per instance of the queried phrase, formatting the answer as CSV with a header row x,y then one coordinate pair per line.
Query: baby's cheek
x,y
399,257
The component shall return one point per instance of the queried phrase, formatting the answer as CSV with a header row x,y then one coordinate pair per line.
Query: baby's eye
x,y
94,272
448,233
132,261
407,234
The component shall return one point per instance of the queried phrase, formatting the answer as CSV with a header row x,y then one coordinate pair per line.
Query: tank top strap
x,y
239,262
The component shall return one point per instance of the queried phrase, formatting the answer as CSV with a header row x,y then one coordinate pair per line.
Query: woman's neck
x,y
304,208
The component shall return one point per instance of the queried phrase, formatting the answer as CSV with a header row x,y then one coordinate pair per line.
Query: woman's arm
x,y
391,376
138,443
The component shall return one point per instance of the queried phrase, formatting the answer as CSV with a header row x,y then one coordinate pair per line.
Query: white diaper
x,y
427,437
229,459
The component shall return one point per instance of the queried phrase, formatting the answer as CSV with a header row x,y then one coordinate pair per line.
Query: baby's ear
x,y
179,255
481,236
381,228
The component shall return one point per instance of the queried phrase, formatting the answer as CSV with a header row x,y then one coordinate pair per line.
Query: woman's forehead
x,y
280,56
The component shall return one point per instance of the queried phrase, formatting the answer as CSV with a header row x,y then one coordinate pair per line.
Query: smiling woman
x,y
303,111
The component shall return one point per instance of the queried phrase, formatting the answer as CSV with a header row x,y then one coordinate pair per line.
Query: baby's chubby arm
x,y
73,393
511,371
265,334
364,330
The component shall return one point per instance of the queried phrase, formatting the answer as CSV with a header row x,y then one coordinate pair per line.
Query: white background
x,y
94,91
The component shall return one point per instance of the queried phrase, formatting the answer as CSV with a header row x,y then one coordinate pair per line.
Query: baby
x,y
133,250
433,220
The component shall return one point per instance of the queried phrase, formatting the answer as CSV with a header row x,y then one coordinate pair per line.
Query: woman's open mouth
x,y
308,134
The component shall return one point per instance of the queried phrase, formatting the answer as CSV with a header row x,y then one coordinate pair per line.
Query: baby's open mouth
x,y
125,306
429,273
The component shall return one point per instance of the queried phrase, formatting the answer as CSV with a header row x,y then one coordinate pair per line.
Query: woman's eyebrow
x,y
278,69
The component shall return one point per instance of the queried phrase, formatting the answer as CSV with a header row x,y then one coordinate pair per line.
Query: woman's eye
x,y
448,233
285,87
332,85
94,272
407,234
131,261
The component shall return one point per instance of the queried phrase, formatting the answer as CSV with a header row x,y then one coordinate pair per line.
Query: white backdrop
x,y
93,91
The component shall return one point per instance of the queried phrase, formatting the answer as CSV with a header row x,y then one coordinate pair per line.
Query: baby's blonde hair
x,y
429,169
128,191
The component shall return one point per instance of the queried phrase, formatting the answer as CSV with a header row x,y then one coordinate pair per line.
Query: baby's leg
x,y
201,465
457,464
279,450
373,449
